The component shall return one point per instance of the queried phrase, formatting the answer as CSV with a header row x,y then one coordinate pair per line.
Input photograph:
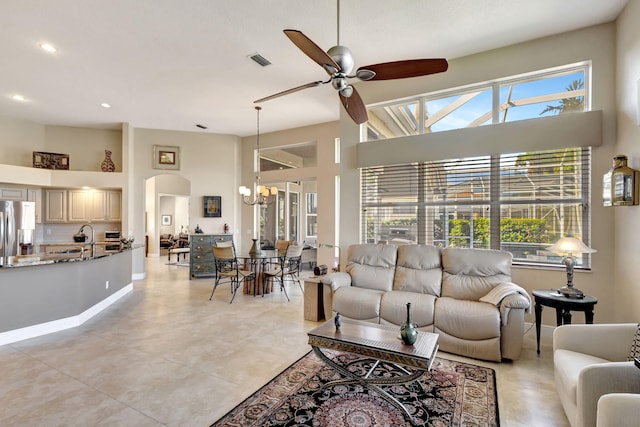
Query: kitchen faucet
x,y
93,241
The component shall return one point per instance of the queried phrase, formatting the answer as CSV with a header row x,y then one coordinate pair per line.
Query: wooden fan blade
x,y
312,50
355,107
406,69
288,91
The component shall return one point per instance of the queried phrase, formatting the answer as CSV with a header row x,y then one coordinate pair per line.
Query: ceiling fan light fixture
x,y
339,83
347,91
364,74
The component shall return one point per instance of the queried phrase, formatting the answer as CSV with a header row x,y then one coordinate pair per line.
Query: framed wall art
x,y
212,206
166,157
166,219
50,160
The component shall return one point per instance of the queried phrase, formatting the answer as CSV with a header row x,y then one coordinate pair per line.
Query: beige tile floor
x,y
166,355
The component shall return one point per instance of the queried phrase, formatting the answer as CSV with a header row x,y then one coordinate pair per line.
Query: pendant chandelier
x,y
264,195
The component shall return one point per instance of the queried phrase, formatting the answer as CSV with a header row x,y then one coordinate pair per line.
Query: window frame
x,y
494,201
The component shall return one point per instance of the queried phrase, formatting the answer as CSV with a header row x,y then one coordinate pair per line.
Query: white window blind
x,y
520,202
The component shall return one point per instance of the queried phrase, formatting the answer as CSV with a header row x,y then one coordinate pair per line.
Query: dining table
x,y
258,263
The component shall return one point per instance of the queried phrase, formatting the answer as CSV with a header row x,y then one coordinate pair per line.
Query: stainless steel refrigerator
x,y
17,226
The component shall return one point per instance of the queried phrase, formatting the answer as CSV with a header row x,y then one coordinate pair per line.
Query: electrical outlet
x,y
106,284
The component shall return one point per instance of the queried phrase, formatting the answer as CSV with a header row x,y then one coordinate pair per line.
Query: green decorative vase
x,y
409,330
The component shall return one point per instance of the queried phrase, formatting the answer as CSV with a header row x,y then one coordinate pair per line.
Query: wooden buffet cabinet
x,y
201,258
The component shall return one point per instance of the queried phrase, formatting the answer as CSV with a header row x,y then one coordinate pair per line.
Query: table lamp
x,y
569,247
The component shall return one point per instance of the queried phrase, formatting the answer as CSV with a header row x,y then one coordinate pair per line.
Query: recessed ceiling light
x,y
48,47
105,105
17,97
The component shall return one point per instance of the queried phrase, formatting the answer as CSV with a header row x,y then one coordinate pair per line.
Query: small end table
x,y
313,299
563,306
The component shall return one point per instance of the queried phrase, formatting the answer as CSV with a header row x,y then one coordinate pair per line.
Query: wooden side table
x,y
563,305
313,299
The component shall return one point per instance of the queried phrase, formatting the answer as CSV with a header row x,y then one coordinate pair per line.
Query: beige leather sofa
x,y
464,295
589,364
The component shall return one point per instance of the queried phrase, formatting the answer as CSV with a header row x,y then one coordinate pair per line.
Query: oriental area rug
x,y
451,394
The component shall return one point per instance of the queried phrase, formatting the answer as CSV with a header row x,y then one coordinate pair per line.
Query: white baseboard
x,y
138,276
62,324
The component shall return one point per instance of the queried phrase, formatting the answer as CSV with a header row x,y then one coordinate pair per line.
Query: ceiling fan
x,y
338,63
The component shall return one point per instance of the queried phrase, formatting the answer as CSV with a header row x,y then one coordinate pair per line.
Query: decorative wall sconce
x,y
620,184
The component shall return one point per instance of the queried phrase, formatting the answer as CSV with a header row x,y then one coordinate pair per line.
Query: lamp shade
x,y
570,246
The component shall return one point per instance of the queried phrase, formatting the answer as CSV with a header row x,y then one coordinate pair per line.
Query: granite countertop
x,y
54,258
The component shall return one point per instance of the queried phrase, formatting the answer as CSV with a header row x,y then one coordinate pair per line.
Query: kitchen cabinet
x,y
10,193
62,205
106,205
55,205
79,204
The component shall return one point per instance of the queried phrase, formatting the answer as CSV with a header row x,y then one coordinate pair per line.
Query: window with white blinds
x,y
520,202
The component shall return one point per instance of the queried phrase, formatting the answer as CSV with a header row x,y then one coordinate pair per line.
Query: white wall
x,y
210,162
85,146
627,219
18,140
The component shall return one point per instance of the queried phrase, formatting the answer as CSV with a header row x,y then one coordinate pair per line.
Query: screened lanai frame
x,y
395,215
486,103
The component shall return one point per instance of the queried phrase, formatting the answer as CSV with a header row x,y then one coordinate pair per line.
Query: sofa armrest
x,y
336,280
331,283
516,301
600,379
618,410
606,341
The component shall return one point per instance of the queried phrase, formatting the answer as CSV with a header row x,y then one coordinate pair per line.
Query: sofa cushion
x,y
418,269
488,349
567,365
467,320
357,303
469,274
372,266
393,308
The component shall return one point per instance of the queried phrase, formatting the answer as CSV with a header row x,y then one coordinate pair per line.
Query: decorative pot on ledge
x,y
107,164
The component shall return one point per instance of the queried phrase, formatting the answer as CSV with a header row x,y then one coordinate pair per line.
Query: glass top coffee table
x,y
379,344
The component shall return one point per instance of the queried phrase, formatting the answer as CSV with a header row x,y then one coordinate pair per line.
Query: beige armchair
x,y
619,410
590,362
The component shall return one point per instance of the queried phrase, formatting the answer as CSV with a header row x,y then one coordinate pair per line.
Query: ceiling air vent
x,y
201,126
260,59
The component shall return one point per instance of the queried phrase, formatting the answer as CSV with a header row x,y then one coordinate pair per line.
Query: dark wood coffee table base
x,y
380,345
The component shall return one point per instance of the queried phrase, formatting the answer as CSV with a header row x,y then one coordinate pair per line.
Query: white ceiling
x,y
171,64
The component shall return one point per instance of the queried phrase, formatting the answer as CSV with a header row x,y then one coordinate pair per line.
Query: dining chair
x,y
289,267
282,245
228,269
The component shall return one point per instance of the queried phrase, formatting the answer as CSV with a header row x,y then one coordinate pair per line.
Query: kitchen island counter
x,y
78,252
51,295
